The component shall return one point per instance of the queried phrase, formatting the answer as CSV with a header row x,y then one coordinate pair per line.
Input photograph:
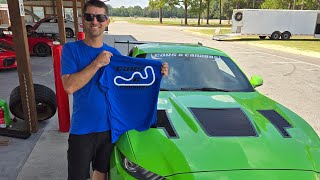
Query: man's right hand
x,y
103,58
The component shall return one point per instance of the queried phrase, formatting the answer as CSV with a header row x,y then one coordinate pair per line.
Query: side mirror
x,y
256,81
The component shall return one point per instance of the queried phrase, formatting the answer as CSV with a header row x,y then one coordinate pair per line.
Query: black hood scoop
x,y
164,122
278,121
224,122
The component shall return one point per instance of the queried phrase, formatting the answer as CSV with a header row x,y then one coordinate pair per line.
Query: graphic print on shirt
x,y
131,86
136,79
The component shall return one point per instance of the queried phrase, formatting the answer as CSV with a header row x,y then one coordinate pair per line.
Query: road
x,y
290,79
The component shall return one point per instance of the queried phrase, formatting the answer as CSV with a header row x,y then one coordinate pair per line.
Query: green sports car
x,y
213,124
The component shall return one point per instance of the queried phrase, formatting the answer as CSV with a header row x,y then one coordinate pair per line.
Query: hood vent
x,y
164,122
277,120
224,122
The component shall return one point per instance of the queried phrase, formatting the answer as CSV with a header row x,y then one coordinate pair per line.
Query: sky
x,y
127,3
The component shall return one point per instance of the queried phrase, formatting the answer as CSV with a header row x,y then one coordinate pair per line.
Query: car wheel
x,y
69,33
28,28
238,16
275,35
42,49
262,37
286,35
45,98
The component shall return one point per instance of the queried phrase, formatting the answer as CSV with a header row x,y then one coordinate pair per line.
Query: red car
x,y
37,46
7,57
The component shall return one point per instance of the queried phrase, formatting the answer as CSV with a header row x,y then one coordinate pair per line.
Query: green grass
x,y
171,21
212,31
299,43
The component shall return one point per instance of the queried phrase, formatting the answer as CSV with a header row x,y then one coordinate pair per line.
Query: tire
x,y
262,37
28,28
286,35
45,98
42,50
238,16
69,33
275,35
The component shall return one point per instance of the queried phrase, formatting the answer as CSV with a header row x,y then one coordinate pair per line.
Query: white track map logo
x,y
132,76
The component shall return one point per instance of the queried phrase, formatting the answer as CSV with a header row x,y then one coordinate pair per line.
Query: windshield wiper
x,y
162,89
204,89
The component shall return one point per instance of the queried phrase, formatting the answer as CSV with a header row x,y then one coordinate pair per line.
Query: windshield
x,y
201,72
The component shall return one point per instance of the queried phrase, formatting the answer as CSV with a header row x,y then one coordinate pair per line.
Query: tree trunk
x,y
253,4
302,5
199,16
160,15
185,12
294,4
208,11
220,12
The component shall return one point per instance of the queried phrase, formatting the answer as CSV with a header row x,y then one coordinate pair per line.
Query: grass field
x,y
172,21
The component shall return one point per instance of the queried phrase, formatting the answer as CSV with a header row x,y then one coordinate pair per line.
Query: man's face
x,y
95,28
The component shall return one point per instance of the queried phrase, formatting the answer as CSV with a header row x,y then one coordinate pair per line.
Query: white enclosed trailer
x,y
276,23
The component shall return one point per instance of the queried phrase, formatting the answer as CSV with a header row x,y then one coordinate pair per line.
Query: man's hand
x,y
164,69
103,58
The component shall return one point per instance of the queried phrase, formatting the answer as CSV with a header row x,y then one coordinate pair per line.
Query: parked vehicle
x,y
212,123
7,56
37,45
276,23
49,25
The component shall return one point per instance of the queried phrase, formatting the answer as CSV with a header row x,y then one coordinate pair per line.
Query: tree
x,y
278,4
185,5
158,4
197,9
208,10
200,12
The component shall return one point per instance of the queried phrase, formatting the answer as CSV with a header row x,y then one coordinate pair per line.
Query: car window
x,y
201,71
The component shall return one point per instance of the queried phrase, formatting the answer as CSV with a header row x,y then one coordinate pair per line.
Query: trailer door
x,y
317,31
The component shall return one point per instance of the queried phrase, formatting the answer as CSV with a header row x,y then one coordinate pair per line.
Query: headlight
x,y
137,171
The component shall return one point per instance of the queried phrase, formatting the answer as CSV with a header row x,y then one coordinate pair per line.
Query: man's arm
x,y
74,82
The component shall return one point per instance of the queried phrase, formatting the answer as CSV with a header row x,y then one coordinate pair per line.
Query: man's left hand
x,y
164,69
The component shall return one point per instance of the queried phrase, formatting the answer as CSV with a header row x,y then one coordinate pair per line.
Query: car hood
x,y
193,150
7,54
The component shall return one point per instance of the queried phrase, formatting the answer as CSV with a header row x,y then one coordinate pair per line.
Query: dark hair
x,y
95,3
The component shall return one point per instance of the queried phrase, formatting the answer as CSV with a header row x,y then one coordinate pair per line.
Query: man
x,y
82,64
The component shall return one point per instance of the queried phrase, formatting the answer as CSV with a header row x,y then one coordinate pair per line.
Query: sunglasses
x,y
90,17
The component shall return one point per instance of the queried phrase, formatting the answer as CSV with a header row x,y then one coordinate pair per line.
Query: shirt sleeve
x,y
68,61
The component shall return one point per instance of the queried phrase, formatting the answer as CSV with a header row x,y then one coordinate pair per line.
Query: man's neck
x,y
93,42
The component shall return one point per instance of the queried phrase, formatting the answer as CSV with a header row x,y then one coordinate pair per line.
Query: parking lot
x,y
290,79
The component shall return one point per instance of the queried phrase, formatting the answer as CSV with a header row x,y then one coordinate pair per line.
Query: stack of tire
x,y
46,104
